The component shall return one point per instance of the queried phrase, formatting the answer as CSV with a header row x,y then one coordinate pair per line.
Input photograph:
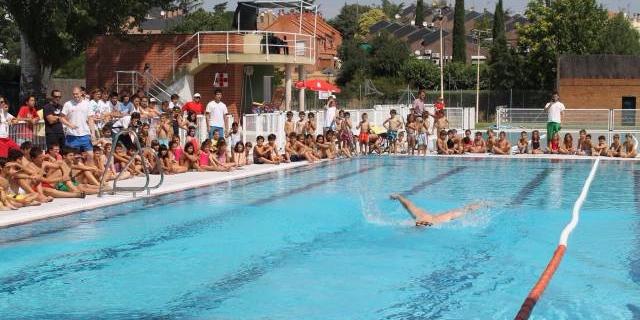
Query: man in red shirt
x,y
440,104
29,115
194,106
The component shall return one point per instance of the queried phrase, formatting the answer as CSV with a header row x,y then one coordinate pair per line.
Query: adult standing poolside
x,y
329,115
53,130
216,113
6,120
194,106
555,108
78,117
418,103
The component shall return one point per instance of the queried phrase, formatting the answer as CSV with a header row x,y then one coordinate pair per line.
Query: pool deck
x,y
190,180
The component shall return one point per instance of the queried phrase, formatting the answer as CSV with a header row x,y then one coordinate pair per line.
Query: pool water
x,y
326,242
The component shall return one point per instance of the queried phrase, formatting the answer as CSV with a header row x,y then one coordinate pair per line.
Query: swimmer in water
x,y
423,218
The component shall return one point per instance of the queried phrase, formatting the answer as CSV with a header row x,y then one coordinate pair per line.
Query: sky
x,y
330,8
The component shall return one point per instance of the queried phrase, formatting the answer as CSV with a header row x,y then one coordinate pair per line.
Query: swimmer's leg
x,y
416,213
457,213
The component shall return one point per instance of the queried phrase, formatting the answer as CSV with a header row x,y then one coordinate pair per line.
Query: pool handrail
x,y
140,153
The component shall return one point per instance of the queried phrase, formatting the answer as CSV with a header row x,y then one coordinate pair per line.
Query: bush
x,y
421,73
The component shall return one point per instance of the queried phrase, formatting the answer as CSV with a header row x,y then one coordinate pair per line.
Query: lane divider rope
x,y
547,274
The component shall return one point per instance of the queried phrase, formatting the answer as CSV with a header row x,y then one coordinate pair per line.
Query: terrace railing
x,y
614,120
298,47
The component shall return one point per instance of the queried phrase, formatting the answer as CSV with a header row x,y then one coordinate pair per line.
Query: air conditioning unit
x,y
427,52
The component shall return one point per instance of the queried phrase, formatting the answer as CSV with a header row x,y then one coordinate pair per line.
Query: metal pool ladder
x,y
134,190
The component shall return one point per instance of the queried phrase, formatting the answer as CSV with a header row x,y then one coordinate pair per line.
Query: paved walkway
x,y
190,180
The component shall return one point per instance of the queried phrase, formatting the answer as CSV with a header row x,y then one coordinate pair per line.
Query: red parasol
x,y
317,85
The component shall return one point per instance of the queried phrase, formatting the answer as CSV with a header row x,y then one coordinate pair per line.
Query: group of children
x,y
449,142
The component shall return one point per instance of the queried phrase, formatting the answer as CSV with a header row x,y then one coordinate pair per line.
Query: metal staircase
x,y
134,80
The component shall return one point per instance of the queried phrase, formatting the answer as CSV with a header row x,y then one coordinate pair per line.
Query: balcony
x,y
243,47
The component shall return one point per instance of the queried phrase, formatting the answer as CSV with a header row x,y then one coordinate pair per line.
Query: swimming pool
x,y
325,242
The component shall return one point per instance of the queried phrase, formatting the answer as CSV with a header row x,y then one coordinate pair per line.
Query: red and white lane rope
x,y
545,277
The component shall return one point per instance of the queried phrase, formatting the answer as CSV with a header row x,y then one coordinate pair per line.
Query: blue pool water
x,y
327,243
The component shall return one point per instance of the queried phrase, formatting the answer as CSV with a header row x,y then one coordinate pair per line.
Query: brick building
x,y
599,81
240,63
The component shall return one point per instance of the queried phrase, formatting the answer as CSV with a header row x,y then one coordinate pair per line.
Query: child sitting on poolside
x,y
190,158
628,147
615,150
207,160
523,143
567,145
601,148
585,147
239,156
248,146
491,140
170,164
453,142
502,146
271,143
466,143
401,144
324,148
553,146
441,144
479,145
262,153
535,143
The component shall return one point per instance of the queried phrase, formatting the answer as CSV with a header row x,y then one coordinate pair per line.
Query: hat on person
x,y
197,95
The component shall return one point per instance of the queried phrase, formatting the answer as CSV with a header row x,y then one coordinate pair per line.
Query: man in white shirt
x,y
78,117
330,115
555,108
216,113
6,119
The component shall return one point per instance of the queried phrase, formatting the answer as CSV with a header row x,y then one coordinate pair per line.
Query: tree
x,y
347,20
459,34
368,19
388,56
9,38
390,9
201,20
52,32
500,63
619,37
354,61
421,73
558,27
419,13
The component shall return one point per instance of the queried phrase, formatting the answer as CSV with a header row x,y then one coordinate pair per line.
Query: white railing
x,y
572,119
268,123
134,80
266,43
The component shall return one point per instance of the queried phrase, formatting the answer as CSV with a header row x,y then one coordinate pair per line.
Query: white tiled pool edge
x,y
191,180
172,183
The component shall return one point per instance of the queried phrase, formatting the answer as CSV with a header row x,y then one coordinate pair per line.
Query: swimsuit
x,y
204,159
450,144
363,137
392,135
422,139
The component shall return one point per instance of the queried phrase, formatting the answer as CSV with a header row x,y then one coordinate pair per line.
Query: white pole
x,y
300,26
315,40
441,62
478,77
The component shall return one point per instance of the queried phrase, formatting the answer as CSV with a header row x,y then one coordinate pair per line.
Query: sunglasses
x,y
57,97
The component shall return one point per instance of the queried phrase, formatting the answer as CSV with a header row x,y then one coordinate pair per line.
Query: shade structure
x,y
317,85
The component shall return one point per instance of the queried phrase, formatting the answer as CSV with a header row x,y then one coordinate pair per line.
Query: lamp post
x,y
440,16
478,35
